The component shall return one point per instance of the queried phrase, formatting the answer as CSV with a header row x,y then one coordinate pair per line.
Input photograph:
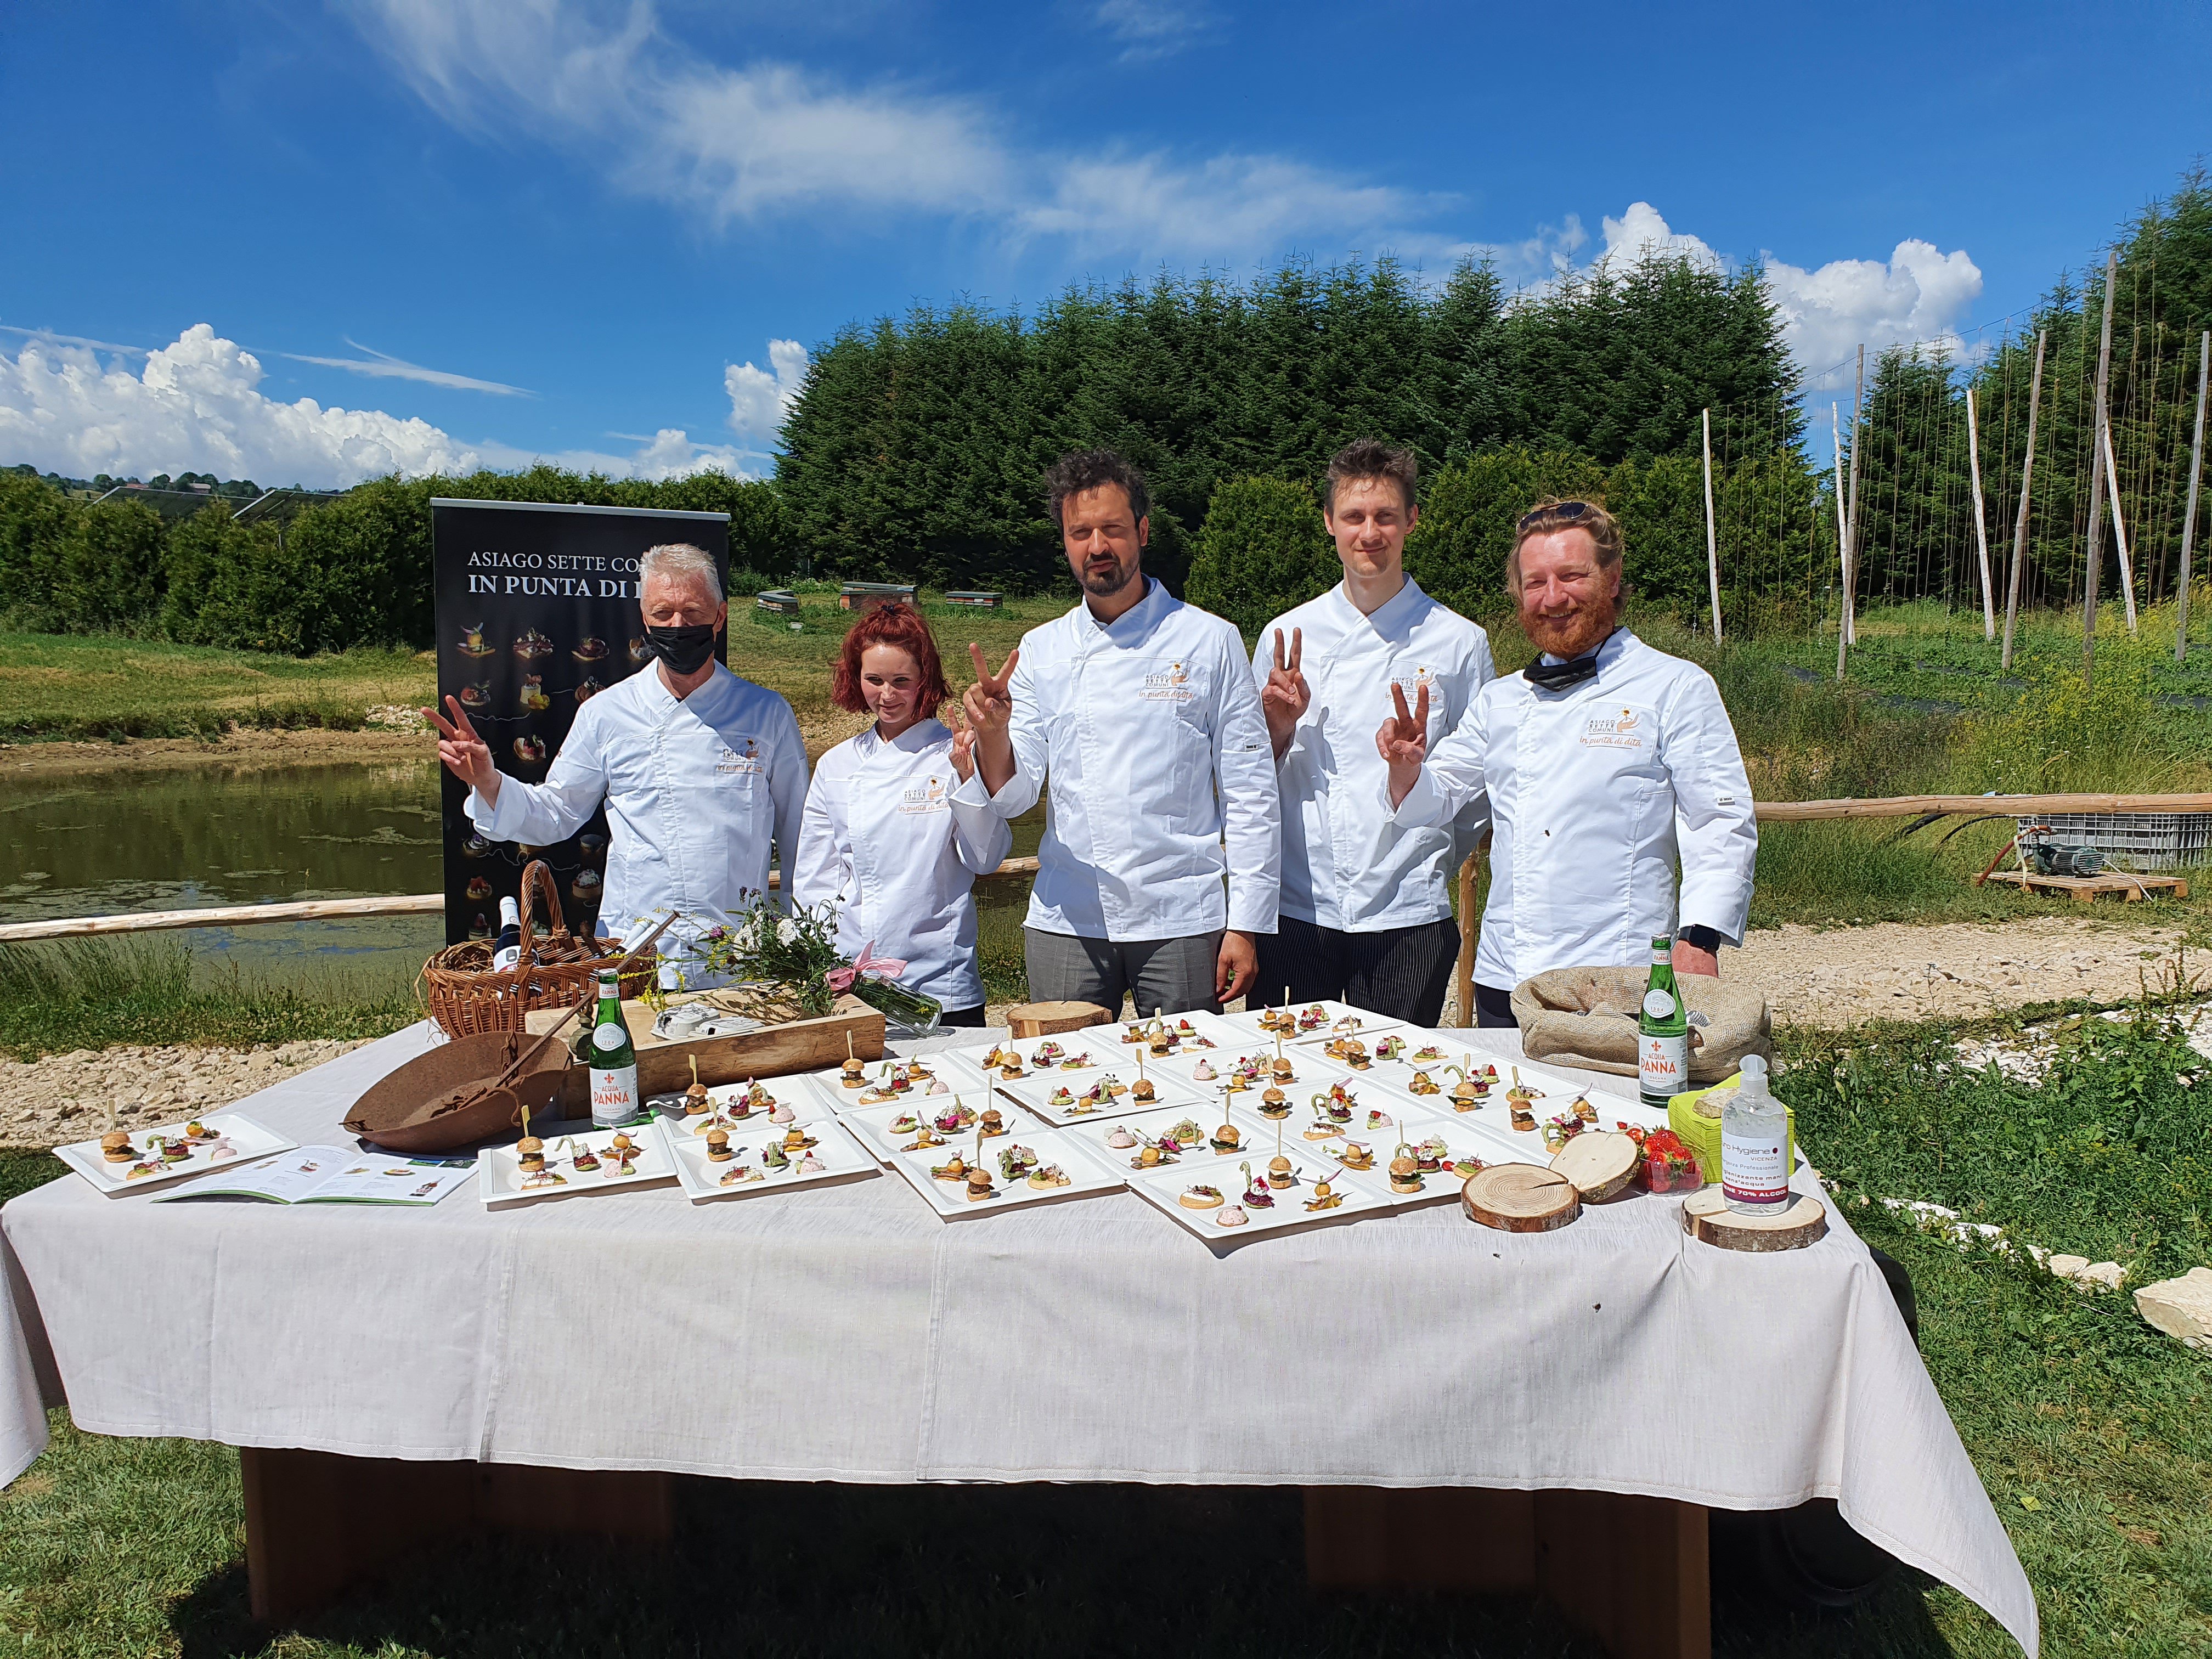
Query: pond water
x,y
112,842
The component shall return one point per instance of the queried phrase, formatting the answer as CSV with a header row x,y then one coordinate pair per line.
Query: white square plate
x,y
1087,1178
1370,1024
499,1169
956,1078
1163,1190
1096,1135
841,1157
872,1124
247,1139
805,1100
1035,1095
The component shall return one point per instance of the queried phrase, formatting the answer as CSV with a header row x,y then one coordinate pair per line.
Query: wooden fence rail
x,y
425,904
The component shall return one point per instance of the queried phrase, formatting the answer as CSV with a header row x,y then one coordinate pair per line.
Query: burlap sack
x,y
1587,1016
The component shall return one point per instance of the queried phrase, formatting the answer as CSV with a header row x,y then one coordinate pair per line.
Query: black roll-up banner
x,y
537,613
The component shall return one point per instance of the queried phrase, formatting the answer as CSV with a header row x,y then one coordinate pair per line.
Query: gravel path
x,y
1820,976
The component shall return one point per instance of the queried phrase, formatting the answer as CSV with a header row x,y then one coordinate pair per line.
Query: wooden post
x,y
1470,926
1847,628
2019,524
1836,434
1981,521
1712,545
2119,529
2093,560
2189,518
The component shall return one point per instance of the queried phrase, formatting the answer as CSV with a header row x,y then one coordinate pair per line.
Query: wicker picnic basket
x,y
468,996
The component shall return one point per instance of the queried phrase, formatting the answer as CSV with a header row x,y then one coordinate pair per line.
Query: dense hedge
x,y
353,571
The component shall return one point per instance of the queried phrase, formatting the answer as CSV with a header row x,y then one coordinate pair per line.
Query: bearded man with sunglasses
x,y
1612,771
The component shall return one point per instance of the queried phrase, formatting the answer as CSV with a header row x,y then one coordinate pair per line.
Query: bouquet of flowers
x,y
800,951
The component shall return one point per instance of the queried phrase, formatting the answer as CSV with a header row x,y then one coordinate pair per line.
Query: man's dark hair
x,y
1087,469
1370,458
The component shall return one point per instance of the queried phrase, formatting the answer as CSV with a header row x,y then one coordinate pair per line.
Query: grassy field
x,y
2090,1431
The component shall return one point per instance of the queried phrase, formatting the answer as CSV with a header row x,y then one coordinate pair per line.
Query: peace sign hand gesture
x,y
466,756
1286,696
989,706
1403,741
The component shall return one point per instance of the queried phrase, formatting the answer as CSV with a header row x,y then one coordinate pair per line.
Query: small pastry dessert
x,y
1203,1071
115,1146
1229,1215
1199,1198
978,1186
531,1151
782,1113
1423,1084
1357,1155
543,1178
1405,1173
993,1123
1378,1121
718,1146
1323,1197
1279,1172
1225,1140
936,1086
1121,1138
1050,1175
1320,1129
740,1175
222,1152
1274,1102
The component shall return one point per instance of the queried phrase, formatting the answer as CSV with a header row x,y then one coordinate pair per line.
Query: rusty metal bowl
x,y
435,1102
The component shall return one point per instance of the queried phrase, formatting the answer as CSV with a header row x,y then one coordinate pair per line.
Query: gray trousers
x,y
1165,976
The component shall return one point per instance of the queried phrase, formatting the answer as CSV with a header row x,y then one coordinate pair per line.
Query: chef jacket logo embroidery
x,y
1613,730
1423,678
1174,686
929,797
730,764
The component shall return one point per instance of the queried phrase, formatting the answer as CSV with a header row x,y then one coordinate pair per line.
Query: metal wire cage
x,y
2141,842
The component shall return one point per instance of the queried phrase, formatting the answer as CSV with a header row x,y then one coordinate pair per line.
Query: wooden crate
x,y
2086,889
665,1068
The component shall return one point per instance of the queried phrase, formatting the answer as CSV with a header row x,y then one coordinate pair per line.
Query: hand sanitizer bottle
x,y
1754,1145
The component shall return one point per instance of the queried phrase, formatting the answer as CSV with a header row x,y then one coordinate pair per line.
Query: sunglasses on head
x,y
1569,511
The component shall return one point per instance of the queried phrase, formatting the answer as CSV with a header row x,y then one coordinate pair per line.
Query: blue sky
x,y
489,231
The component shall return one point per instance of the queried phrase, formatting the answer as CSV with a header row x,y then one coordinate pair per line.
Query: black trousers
x,y
1403,972
1493,1007
962,1016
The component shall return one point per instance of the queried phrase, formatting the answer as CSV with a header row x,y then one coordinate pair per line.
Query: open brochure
x,y
334,1175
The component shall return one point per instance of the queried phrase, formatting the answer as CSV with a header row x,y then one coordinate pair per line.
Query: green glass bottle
x,y
614,1099
1662,1032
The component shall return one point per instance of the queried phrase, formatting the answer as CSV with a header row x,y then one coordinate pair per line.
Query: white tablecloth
x,y
847,1333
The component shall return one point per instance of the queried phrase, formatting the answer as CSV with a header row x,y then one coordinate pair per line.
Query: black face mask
x,y
685,650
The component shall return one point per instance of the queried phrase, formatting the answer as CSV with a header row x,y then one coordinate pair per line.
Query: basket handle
x,y
538,883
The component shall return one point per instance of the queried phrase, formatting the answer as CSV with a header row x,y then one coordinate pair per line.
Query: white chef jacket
x,y
886,845
1597,792
1149,731
695,790
1347,864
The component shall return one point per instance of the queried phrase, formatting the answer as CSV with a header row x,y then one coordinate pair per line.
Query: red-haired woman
x,y
881,839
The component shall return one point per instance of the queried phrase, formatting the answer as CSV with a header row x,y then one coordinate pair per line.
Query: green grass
x,y
2088,1429
90,994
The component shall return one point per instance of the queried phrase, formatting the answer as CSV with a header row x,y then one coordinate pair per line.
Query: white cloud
x,y
1920,295
195,407
381,365
749,141
759,398
1151,28
1640,233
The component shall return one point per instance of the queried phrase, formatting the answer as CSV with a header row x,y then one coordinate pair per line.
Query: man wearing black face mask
x,y
700,771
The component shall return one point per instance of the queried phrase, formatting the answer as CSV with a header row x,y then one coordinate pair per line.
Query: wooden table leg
x,y
1630,1572
316,1522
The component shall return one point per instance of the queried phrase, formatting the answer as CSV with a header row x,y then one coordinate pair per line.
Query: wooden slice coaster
x,y
1706,1215
1599,1162
1520,1198
1035,1019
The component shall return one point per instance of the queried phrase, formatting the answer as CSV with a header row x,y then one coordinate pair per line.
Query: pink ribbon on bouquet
x,y
867,963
